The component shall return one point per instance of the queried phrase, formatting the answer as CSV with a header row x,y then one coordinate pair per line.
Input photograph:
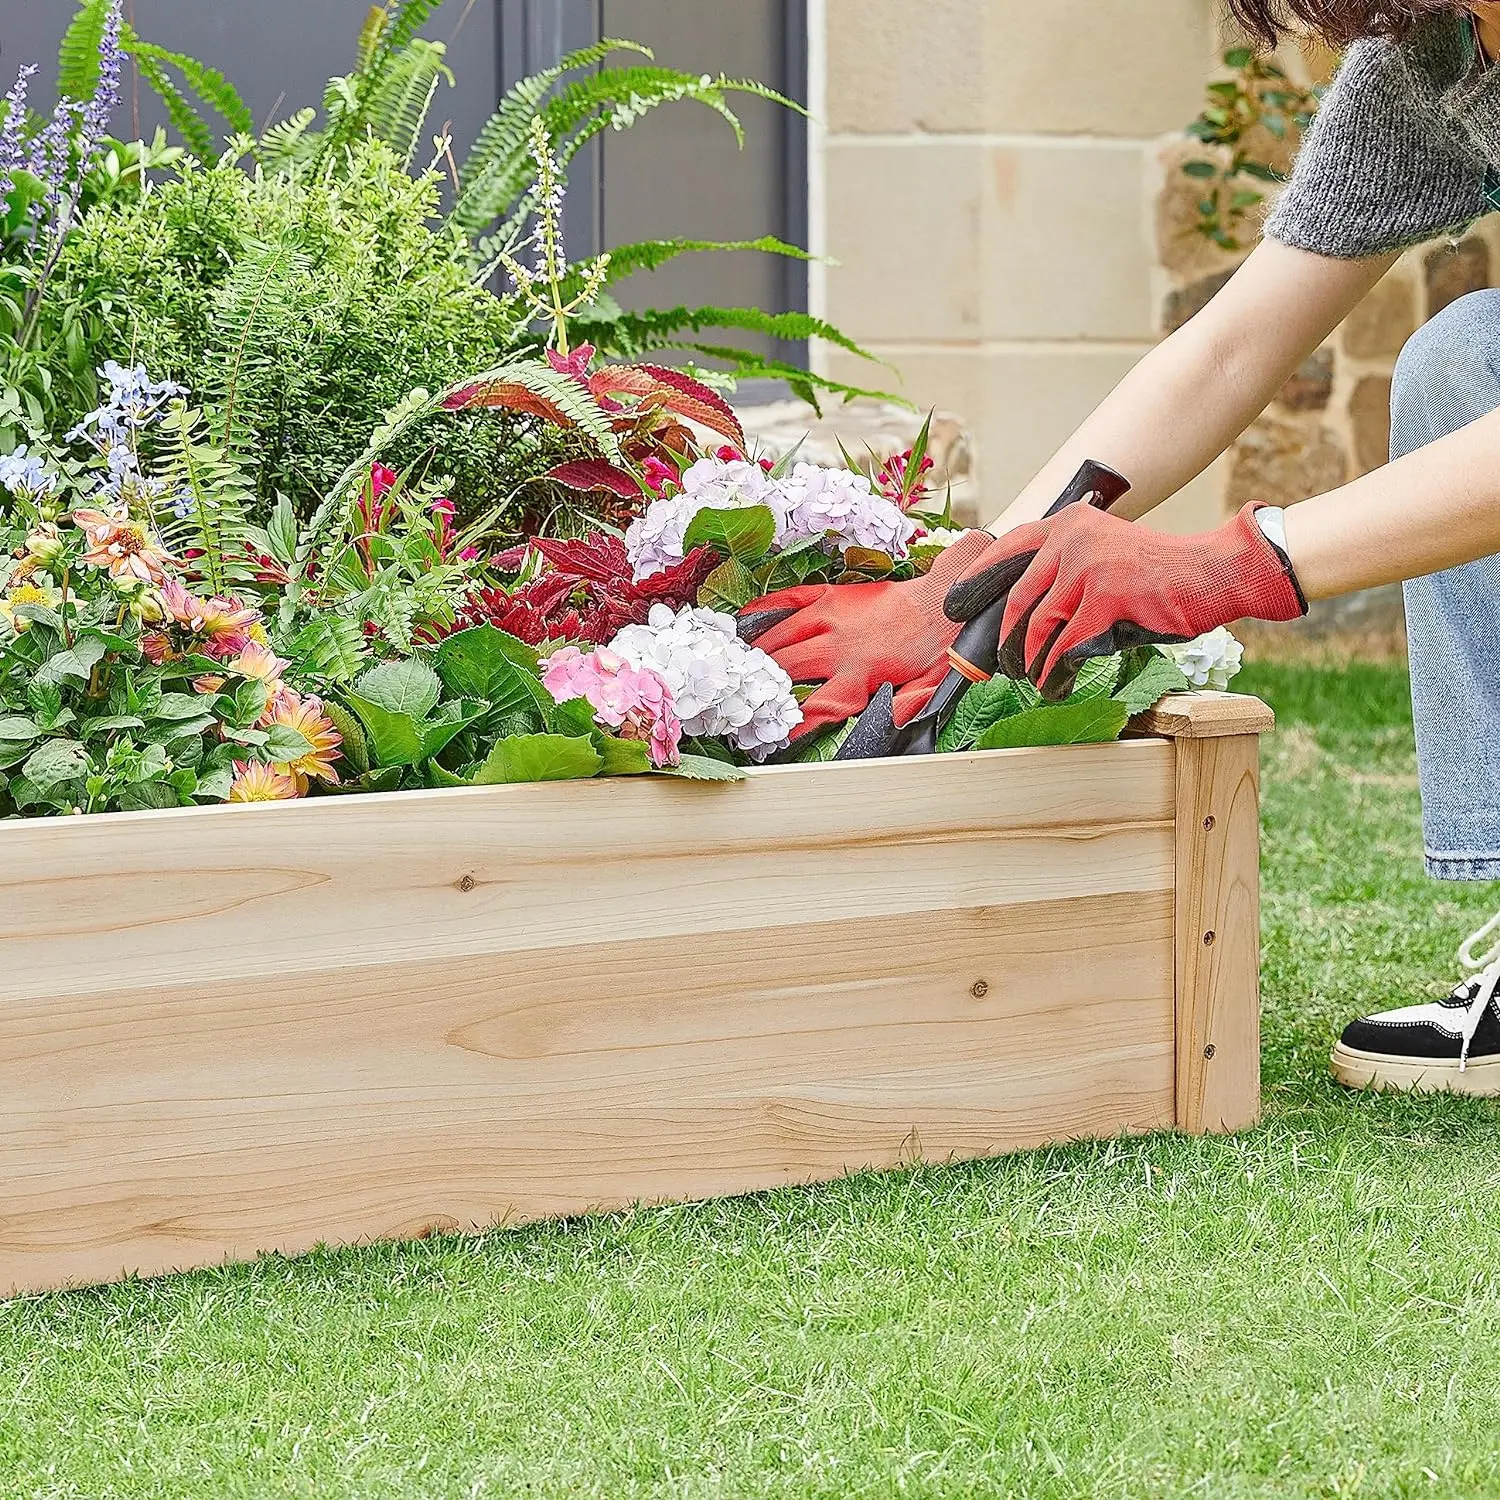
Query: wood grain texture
x,y
1205,715
265,1027
1218,933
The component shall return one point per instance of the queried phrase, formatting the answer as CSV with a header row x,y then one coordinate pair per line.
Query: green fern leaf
x,y
217,492
648,255
78,56
496,172
190,125
398,110
661,327
286,146
331,646
209,85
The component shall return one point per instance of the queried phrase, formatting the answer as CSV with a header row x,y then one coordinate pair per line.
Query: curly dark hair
x,y
1337,22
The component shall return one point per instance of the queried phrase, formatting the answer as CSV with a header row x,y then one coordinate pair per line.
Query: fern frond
x,y
332,646
648,255
553,389
632,333
616,98
495,172
398,110
78,56
209,85
215,491
408,20
284,147
190,125
250,297
371,33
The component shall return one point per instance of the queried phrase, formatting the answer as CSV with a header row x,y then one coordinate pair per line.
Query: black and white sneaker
x,y
1444,1046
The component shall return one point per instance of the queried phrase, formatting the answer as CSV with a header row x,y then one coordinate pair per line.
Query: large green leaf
x,y
76,661
1096,679
984,704
1160,676
540,757
1091,722
54,761
402,687
14,727
745,534
283,744
622,757
488,664
704,768
451,721
730,587
394,739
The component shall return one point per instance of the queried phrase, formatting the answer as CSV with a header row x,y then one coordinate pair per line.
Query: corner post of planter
x,y
1217,919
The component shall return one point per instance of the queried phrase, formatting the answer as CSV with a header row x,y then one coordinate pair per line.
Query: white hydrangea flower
x,y
1211,661
653,541
942,536
720,685
842,505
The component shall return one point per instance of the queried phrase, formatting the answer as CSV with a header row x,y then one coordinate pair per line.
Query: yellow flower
x,y
255,781
27,593
306,716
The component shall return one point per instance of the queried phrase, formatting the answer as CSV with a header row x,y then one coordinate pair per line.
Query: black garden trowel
x,y
972,658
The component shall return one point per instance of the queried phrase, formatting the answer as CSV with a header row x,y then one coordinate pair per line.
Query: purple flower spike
x,y
12,147
101,107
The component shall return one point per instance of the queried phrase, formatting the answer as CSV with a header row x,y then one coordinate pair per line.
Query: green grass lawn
x,y
1312,1309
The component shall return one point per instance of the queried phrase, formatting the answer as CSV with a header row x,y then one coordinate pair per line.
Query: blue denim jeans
x,y
1448,376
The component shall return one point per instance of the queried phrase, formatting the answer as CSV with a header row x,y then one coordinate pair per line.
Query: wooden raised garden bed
x,y
258,1028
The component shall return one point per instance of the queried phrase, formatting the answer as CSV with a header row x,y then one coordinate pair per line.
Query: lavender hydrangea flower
x,y
721,686
842,507
653,541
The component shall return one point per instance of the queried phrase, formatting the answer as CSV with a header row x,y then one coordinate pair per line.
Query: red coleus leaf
x,y
596,474
664,387
508,395
697,402
598,557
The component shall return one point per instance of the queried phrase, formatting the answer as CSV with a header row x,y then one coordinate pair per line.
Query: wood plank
x,y
1218,933
141,900
1205,715
180,1125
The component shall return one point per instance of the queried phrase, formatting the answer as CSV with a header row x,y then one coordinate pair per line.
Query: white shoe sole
x,y
1373,1070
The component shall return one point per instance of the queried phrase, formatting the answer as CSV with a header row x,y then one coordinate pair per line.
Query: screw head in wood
x,y
1208,1051
466,883
1208,938
1208,823
979,989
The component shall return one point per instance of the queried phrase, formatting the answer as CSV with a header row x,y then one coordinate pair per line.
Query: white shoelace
x,y
1484,969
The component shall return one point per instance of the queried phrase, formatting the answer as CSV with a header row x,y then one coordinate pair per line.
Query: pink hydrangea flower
x,y
634,701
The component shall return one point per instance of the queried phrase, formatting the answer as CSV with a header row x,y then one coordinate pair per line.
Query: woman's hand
x,y
1086,583
853,638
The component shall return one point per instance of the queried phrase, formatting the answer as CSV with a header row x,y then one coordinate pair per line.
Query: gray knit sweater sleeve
x,y
1378,171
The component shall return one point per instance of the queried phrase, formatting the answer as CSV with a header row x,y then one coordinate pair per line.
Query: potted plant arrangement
x,y
414,908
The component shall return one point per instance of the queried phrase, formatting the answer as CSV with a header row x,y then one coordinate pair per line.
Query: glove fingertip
x,y
751,626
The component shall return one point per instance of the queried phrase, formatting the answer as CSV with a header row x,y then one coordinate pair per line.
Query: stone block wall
x,y
999,183
983,176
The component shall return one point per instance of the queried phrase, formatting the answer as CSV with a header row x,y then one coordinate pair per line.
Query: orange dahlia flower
x,y
255,781
125,547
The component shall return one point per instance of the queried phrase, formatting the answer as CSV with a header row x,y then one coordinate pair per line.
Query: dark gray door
x,y
278,53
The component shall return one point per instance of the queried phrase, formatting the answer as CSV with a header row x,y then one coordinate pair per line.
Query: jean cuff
x,y
1449,865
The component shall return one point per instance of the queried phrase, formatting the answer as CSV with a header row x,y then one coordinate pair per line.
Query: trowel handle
x,y
976,652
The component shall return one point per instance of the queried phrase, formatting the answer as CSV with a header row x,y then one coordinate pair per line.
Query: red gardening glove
x,y
853,638
1085,583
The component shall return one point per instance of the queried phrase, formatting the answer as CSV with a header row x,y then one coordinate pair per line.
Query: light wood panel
x,y
1218,933
1206,716
148,1130
137,900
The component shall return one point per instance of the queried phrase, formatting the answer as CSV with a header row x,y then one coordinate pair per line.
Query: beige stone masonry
x,y
984,178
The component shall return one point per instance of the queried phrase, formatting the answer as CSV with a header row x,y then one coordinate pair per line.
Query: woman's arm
x,y
1433,509
1188,400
